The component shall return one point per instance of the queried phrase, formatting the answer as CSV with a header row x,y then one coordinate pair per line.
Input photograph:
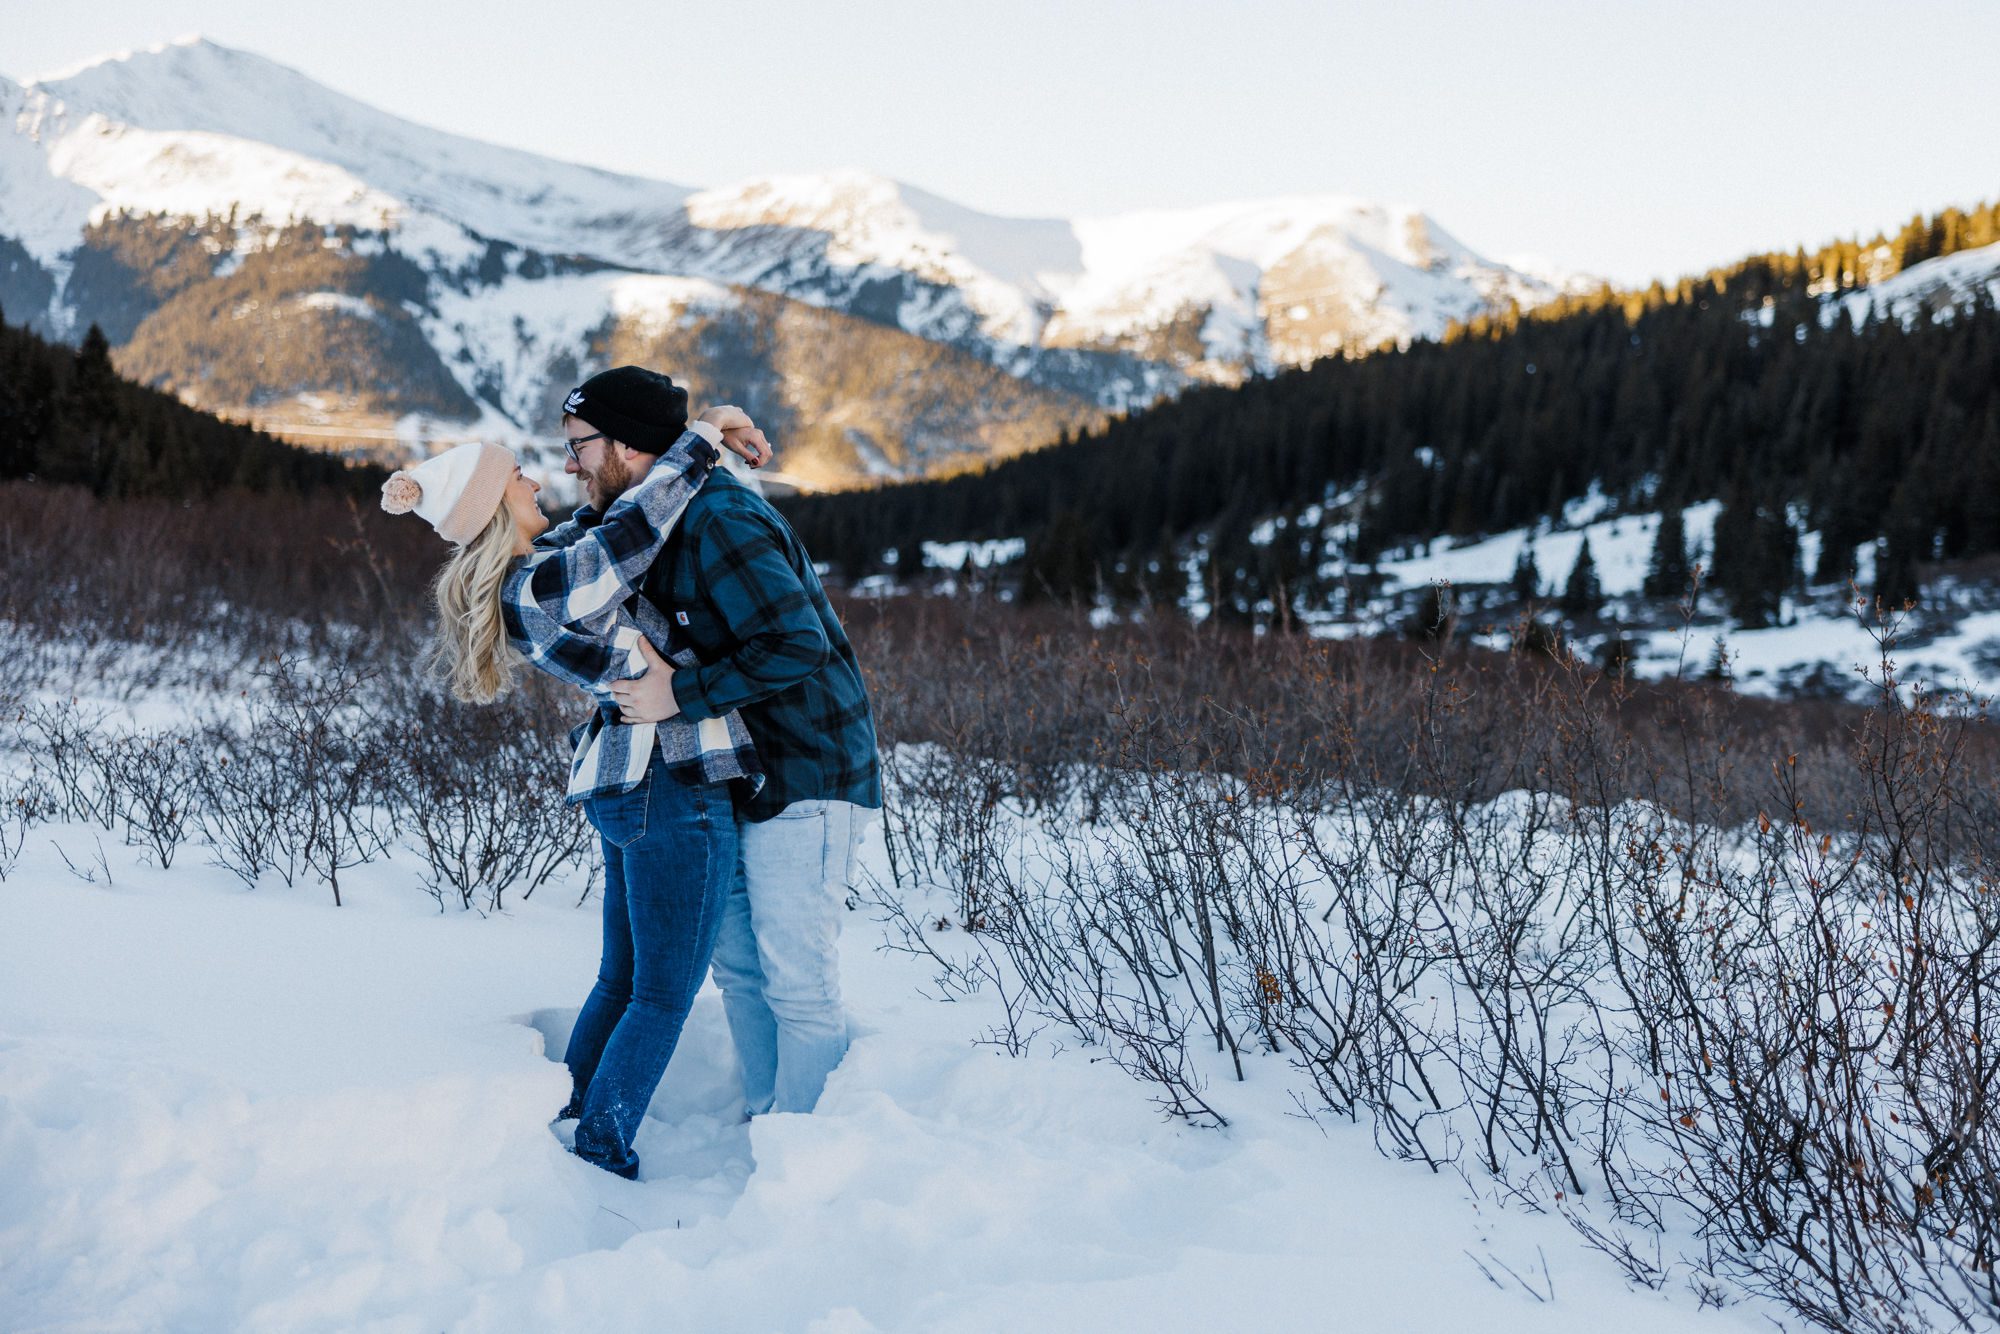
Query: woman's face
x,y
522,503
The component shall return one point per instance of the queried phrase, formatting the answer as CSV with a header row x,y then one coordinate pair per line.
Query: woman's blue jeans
x,y
669,861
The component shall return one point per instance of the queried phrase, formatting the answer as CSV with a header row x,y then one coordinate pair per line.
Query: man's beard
x,y
611,479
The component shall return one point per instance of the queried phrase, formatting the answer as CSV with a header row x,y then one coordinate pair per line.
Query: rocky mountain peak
x,y
138,189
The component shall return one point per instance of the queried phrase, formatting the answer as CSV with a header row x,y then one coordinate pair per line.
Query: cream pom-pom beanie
x,y
456,492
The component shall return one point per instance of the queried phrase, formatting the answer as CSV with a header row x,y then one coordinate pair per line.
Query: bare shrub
x,y
479,791
246,809
18,815
72,757
132,595
24,664
296,784
156,775
1815,1014
1728,966
336,753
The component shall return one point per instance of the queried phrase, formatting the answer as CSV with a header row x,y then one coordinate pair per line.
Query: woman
x,y
657,793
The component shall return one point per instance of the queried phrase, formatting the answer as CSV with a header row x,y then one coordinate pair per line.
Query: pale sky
x,y
1627,139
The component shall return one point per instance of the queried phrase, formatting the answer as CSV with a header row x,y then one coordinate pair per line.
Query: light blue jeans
x,y
777,958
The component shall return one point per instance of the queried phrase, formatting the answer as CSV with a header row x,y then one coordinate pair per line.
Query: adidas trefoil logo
x,y
574,401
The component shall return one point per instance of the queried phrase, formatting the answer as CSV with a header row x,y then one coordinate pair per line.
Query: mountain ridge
x,y
1094,314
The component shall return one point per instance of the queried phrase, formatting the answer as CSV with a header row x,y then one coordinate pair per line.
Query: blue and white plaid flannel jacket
x,y
570,609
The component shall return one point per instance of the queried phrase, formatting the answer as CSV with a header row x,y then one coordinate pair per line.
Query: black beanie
x,y
634,406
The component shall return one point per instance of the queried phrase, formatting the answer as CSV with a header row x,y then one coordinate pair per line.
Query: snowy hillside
x,y
1826,641
1939,285
1111,312
1822,645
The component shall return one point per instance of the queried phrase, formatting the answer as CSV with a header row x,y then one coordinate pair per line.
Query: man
x,y
741,592
660,804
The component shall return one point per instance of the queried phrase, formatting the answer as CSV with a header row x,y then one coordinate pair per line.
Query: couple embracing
x,y
729,764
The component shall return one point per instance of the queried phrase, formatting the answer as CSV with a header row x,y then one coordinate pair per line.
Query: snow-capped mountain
x,y
195,128
203,204
1279,282
1258,284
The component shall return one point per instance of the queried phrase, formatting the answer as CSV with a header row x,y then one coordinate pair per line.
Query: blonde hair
x,y
470,652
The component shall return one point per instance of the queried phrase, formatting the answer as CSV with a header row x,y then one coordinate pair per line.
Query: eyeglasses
x,y
570,443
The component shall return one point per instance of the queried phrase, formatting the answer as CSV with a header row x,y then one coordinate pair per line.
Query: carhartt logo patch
x,y
680,618
574,401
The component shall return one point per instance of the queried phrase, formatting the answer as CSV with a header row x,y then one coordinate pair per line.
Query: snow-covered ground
x,y
980,555
230,1110
1620,548
223,1109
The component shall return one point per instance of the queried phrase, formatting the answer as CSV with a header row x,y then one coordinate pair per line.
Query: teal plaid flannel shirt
x,y
742,594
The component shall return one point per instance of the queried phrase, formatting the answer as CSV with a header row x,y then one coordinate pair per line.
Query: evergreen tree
x,y
1059,565
1835,564
69,417
1527,578
1906,540
1756,556
1667,571
1582,594
95,378
1982,496
84,452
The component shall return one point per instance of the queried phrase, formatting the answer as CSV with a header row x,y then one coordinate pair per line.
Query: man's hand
x,y
648,698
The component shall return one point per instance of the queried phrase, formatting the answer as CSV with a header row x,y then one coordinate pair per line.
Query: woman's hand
x,y
740,435
648,698
748,443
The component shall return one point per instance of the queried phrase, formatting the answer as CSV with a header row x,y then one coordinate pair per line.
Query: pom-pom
x,y
401,493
